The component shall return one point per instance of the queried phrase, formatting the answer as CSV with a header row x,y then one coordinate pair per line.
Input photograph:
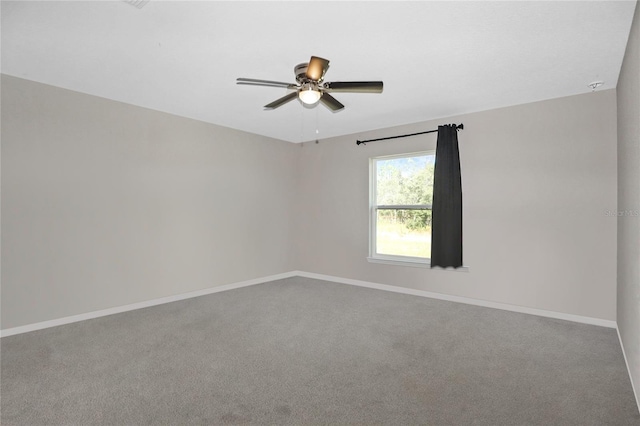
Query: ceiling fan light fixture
x,y
310,87
309,94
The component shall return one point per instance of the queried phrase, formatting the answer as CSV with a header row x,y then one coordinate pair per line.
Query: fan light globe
x,y
309,96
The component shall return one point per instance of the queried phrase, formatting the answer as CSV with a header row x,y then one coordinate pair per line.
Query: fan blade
x,y
332,103
354,86
283,100
268,83
316,68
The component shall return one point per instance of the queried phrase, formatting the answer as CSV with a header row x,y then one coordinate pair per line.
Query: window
x,y
401,196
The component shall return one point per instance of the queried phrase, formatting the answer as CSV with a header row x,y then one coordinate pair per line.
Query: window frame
x,y
392,259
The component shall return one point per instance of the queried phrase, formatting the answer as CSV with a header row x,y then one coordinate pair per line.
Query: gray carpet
x,y
302,351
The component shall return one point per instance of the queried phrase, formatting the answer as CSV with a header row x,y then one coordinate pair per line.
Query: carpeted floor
x,y
302,351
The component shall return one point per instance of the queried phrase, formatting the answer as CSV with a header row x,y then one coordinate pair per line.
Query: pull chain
x,y
317,131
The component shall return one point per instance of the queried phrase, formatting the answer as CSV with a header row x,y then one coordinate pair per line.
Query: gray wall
x,y
629,202
106,204
538,180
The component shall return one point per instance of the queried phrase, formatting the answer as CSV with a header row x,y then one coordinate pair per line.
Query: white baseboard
x,y
469,301
460,299
133,306
636,393
402,290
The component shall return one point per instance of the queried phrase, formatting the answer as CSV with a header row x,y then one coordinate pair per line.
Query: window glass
x,y
402,192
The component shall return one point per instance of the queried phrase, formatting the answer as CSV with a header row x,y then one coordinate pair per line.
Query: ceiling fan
x,y
311,88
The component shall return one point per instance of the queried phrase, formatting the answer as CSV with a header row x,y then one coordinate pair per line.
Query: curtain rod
x,y
457,126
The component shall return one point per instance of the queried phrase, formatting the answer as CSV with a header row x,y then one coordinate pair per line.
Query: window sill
x,y
413,263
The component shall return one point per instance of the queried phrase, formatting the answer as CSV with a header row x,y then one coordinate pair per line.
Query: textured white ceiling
x,y
437,59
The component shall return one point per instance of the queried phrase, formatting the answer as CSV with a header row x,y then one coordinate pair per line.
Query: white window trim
x,y
415,262
375,257
387,259
418,262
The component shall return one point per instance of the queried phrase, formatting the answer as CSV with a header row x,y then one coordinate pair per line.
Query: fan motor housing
x,y
300,71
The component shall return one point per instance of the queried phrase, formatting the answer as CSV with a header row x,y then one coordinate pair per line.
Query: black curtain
x,y
446,220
